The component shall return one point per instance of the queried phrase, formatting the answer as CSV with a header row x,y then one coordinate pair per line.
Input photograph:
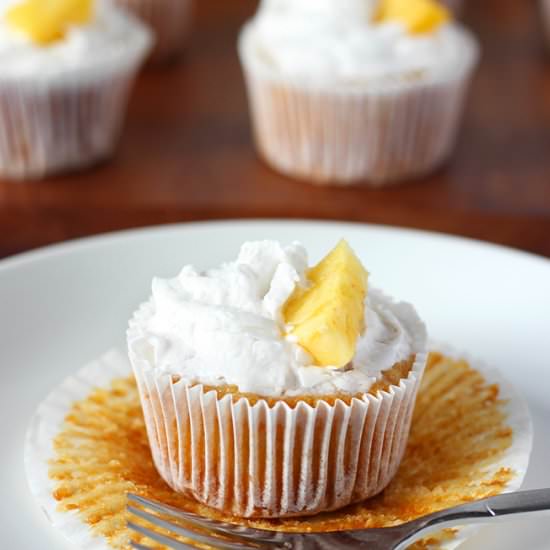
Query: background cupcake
x,y
259,424
170,20
355,90
65,77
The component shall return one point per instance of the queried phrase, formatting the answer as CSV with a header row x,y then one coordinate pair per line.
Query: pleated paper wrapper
x,y
51,124
382,131
170,20
48,421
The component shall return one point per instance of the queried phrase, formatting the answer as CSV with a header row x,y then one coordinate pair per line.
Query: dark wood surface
x,y
187,154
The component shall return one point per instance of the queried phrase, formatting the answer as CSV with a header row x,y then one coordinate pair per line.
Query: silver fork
x,y
227,536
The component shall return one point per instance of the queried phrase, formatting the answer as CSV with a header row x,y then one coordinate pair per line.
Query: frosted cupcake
x,y
270,389
66,69
344,91
170,21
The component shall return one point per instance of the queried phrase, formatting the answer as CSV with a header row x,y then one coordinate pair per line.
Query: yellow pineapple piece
x,y
419,16
328,316
45,21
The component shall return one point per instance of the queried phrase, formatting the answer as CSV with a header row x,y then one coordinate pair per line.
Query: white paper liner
x,y
73,119
170,20
380,132
48,420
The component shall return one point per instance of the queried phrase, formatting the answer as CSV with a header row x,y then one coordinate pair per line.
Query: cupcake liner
x,y
256,460
169,19
47,131
47,423
261,460
69,119
381,131
48,419
518,419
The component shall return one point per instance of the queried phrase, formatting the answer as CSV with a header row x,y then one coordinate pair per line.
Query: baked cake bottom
x,y
459,436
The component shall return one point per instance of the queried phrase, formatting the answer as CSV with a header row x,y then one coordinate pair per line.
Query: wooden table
x,y
187,152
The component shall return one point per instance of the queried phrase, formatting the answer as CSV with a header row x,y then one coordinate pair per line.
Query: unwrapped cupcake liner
x,y
51,123
381,131
262,460
170,20
46,424
50,414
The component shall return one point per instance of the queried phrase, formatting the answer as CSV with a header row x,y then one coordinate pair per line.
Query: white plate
x,y
63,306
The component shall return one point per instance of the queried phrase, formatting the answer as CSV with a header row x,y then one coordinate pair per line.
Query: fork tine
x,y
191,534
216,526
241,531
157,537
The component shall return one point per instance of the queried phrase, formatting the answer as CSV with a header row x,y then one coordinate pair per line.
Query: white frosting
x,y
224,326
110,40
327,39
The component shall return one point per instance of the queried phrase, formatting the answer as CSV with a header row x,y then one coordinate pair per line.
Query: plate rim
x,y
69,246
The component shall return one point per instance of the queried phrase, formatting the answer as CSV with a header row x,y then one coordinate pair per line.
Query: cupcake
x,y
66,69
270,389
169,19
341,92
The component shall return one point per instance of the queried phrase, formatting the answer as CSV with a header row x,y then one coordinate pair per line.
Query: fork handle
x,y
480,511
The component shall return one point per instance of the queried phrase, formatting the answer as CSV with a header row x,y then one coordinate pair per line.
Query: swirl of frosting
x,y
108,41
224,327
322,41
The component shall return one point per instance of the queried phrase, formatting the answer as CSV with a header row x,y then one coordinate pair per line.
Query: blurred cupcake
x,y
273,390
343,91
169,19
66,70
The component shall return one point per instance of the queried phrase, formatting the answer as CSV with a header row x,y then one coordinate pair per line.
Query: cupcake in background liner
x,y
237,413
169,19
338,95
63,100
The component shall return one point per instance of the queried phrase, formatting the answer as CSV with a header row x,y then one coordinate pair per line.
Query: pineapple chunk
x,y
419,16
45,21
328,316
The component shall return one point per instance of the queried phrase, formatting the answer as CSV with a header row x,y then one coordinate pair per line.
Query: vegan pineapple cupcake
x,y
270,389
356,90
170,21
66,70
